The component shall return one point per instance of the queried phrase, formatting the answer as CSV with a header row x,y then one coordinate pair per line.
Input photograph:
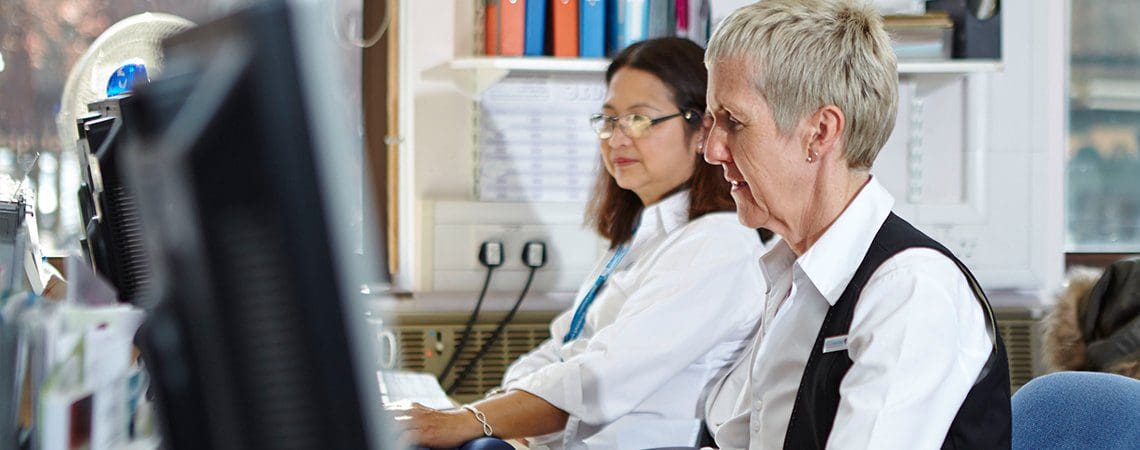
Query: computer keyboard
x,y
398,386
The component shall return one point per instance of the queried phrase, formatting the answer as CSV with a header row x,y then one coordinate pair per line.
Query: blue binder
x,y
613,26
635,23
592,28
534,29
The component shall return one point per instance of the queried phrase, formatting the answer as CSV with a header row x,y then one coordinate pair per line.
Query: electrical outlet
x,y
459,230
534,254
491,253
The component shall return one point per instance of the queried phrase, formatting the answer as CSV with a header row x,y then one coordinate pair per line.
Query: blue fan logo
x,y
126,77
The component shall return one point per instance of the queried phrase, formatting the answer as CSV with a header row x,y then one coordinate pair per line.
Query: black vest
x,y
983,420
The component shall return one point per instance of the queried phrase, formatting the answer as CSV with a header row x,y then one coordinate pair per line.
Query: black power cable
x,y
534,255
494,337
491,256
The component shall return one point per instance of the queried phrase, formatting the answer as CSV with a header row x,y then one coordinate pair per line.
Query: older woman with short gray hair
x,y
873,334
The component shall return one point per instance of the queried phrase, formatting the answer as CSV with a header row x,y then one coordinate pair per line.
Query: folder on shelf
x,y
927,36
633,23
491,19
535,28
592,32
614,14
512,25
682,9
564,16
504,21
662,18
698,18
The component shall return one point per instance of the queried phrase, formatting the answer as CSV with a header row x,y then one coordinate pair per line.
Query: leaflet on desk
x,y
78,360
12,363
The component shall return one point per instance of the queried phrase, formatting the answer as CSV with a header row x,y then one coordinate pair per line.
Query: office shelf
x,y
949,67
486,70
550,64
531,64
481,72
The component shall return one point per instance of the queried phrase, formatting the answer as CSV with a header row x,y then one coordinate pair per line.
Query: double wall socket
x,y
459,228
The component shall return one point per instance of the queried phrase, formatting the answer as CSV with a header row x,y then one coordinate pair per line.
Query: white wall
x,y
443,155
1009,232
435,157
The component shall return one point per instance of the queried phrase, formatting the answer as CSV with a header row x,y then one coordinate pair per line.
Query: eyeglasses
x,y
632,125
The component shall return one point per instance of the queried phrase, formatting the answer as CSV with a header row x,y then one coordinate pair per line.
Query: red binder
x,y
564,15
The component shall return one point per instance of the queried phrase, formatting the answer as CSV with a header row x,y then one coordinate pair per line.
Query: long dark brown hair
x,y
679,63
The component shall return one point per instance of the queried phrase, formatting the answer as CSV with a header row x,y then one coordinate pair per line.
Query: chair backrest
x,y
1066,410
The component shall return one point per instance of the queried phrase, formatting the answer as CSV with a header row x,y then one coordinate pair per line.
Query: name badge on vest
x,y
835,343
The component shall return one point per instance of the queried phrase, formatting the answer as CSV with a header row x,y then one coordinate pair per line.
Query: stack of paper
x,y
926,36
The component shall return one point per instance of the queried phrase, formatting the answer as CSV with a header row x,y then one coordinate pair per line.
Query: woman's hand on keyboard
x,y
435,428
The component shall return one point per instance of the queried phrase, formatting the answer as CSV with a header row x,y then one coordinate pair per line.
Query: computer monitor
x,y
111,239
259,339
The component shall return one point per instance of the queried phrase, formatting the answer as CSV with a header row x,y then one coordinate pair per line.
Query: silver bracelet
x,y
482,418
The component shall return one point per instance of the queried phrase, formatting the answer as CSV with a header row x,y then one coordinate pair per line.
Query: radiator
x,y
426,342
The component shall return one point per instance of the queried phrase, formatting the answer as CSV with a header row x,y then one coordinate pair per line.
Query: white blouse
x,y
918,339
678,310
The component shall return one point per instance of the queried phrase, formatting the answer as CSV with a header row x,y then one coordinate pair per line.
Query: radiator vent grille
x,y
1019,346
426,348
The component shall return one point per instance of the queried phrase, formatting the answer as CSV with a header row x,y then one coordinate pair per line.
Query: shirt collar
x,y
663,217
830,262
776,261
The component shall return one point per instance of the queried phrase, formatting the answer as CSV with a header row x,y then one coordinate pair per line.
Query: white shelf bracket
x,y
481,78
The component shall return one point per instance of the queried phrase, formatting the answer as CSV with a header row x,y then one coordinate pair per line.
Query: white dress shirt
x,y
680,308
918,340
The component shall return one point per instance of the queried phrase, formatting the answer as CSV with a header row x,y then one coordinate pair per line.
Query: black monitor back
x,y
112,240
258,339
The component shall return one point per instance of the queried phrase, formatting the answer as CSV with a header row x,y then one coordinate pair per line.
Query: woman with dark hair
x,y
666,309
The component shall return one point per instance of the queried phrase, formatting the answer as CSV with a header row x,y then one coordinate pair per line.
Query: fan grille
x,y
136,39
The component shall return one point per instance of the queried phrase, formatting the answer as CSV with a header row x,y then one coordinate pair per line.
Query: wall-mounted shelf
x,y
950,67
481,72
484,71
531,64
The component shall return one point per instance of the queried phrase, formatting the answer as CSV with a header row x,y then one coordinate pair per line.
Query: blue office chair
x,y
487,443
1077,410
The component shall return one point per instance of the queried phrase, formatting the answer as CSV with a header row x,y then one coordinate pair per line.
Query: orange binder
x,y
491,27
503,27
511,36
564,15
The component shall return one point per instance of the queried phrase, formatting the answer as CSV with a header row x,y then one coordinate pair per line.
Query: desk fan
x,y
131,46
90,121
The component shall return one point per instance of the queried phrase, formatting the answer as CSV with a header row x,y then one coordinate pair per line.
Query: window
x,y
40,41
1103,161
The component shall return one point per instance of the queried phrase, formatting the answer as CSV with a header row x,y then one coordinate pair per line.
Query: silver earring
x,y
812,155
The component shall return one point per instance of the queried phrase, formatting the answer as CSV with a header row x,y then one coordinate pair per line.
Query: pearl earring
x,y
812,155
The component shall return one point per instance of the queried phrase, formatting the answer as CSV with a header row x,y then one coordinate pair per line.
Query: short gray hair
x,y
815,53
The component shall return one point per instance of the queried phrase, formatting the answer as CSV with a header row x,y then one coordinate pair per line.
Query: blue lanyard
x,y
579,319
